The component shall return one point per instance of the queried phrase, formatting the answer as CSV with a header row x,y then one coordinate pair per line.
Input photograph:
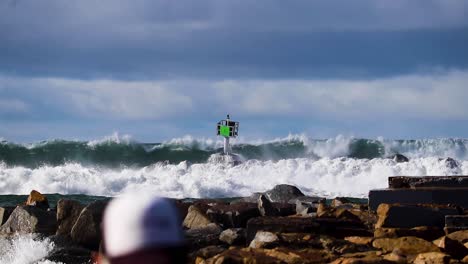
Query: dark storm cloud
x,y
231,39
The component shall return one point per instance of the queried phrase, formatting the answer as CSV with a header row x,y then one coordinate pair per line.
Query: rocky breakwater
x,y
281,225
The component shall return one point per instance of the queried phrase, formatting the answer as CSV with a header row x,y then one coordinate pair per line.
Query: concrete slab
x,y
428,181
442,196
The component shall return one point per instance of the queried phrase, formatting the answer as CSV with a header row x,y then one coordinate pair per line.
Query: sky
x,y
162,69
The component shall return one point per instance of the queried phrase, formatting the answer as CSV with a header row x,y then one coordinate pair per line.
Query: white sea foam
x,y
113,138
328,177
25,249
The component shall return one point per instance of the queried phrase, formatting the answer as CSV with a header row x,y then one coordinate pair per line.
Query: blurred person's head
x,y
143,229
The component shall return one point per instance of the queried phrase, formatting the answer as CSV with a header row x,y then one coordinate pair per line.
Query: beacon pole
x,y
227,129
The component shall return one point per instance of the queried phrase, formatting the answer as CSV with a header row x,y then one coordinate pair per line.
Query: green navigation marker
x,y
224,131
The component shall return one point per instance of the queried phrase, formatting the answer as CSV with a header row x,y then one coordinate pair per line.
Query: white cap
x,y
134,222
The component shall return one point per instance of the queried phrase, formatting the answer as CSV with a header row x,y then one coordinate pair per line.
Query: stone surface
x,y
424,232
461,236
232,215
233,236
432,258
406,245
441,196
399,158
456,221
339,201
283,193
395,215
452,247
87,229
67,214
264,240
427,181
359,240
29,219
209,251
369,257
265,207
37,199
196,218
204,236
305,208
5,213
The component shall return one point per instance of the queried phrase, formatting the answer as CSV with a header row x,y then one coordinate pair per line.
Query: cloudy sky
x,y
161,69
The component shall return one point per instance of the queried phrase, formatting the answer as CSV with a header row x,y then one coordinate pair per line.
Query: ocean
x,y
191,168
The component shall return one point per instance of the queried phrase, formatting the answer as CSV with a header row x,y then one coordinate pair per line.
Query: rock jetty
x,y
415,220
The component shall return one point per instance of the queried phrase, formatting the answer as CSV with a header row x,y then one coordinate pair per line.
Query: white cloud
x,y
9,106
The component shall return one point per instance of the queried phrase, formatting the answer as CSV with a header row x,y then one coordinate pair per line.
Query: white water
x,y
328,177
25,249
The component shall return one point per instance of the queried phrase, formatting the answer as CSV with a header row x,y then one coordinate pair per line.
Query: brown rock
x,y
359,240
395,215
452,247
406,245
87,229
300,256
29,219
432,258
461,236
204,236
5,213
209,251
424,232
244,256
395,257
68,212
37,199
369,257
196,218
465,259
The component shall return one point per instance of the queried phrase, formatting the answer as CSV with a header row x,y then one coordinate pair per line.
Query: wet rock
x,y
424,232
456,223
196,218
284,209
427,181
432,257
250,199
305,208
182,207
340,201
399,158
280,225
67,214
87,229
407,245
451,163
209,251
232,215
204,236
233,236
70,255
29,219
264,240
395,215
5,213
452,247
265,207
37,199
283,193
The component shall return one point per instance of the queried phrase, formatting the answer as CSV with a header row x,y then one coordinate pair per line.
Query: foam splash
x,y
326,177
25,249
113,138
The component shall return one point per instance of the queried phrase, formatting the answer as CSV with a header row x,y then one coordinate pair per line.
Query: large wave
x,y
326,177
118,151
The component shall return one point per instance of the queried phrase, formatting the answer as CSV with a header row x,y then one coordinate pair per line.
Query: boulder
x,y
253,198
399,158
37,199
264,240
232,215
87,229
340,201
233,236
456,223
265,207
203,236
209,251
432,258
396,215
182,207
67,214
305,208
451,163
452,247
196,218
359,240
406,245
461,236
369,257
284,209
283,193
29,219
5,213
424,232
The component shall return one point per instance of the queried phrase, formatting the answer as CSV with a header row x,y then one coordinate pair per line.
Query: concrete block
x,y
441,196
428,181
407,216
